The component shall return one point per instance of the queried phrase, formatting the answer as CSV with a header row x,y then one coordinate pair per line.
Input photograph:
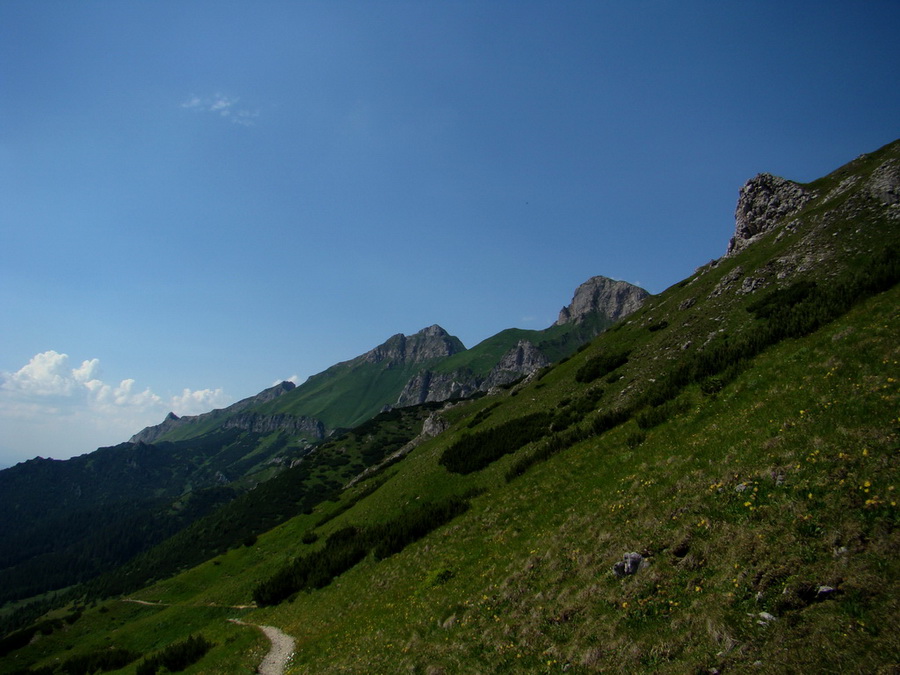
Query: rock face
x,y
429,343
434,425
522,360
267,424
884,183
763,203
428,386
172,421
614,299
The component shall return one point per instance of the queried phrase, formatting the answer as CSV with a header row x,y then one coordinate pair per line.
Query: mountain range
x,y
109,505
697,481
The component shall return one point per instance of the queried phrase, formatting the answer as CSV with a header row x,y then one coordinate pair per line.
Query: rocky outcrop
x,y
427,386
614,299
172,421
884,183
267,424
429,343
521,360
630,564
764,202
150,434
434,425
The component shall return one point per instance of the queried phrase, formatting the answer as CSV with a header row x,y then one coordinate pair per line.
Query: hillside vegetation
x,y
710,486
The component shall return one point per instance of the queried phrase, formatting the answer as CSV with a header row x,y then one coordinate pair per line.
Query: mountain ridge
x,y
214,457
737,434
173,421
421,360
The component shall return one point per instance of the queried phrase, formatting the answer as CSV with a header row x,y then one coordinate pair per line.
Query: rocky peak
x,y
429,343
615,299
282,387
763,203
523,359
150,434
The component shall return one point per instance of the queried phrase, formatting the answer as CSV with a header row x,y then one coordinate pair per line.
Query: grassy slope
x,y
531,561
345,395
348,393
555,342
747,501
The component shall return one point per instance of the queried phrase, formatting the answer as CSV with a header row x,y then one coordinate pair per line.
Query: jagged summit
x,y
150,434
429,343
612,298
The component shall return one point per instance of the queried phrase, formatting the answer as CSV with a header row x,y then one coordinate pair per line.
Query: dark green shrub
x,y
176,657
102,660
609,419
600,365
482,415
635,438
346,547
781,299
712,385
413,525
473,452
654,416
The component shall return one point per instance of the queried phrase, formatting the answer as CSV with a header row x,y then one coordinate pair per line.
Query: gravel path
x,y
282,643
280,653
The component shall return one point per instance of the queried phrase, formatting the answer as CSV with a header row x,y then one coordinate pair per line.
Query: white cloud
x,y
87,372
193,102
44,375
50,409
199,401
224,106
294,379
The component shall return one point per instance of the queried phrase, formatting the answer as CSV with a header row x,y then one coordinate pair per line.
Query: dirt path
x,y
280,653
282,643
208,604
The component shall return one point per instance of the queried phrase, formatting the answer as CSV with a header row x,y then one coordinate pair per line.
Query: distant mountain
x,y
428,366
124,499
206,421
601,295
707,486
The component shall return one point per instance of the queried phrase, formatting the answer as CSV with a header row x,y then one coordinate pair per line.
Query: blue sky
x,y
198,199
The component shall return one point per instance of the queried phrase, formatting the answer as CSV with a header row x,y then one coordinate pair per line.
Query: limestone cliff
x,y
427,386
520,361
172,421
764,202
429,343
267,424
614,299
